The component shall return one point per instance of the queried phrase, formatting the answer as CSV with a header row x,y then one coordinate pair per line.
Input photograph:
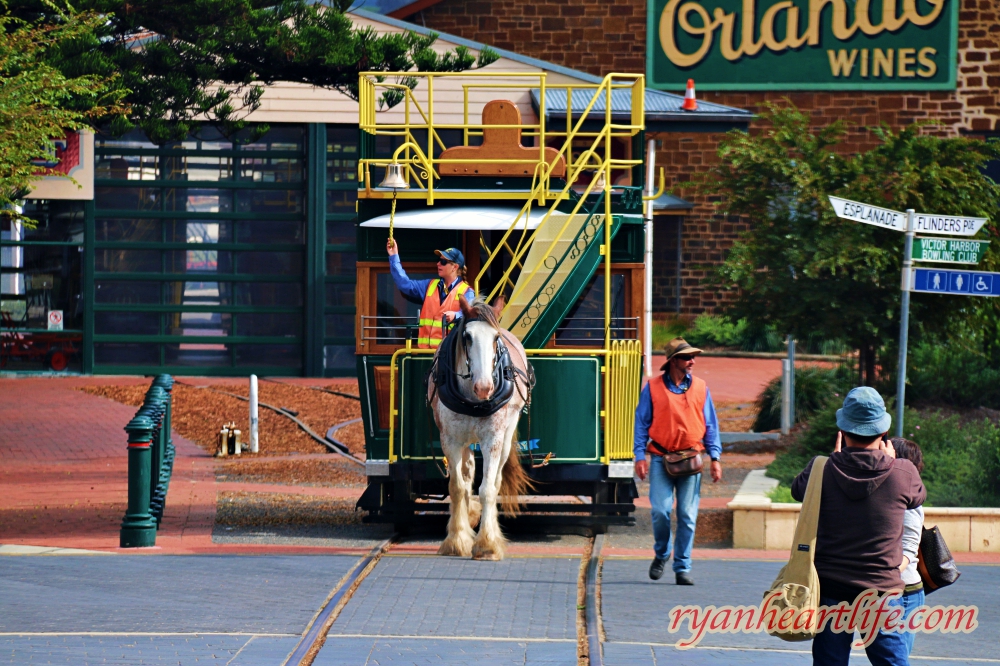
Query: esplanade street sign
x,y
802,44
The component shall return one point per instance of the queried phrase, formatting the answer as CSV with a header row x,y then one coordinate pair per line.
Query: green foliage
x,y
38,102
781,494
814,387
952,374
961,457
188,60
802,270
719,331
664,332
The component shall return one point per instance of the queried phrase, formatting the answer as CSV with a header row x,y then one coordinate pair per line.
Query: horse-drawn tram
x,y
536,382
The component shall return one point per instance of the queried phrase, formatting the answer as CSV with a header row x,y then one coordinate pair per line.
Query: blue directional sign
x,y
962,283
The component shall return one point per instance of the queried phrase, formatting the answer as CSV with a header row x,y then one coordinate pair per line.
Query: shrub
x,y
951,375
813,388
781,494
664,332
720,331
961,457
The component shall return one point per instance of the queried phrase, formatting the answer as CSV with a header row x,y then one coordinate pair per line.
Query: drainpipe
x,y
647,326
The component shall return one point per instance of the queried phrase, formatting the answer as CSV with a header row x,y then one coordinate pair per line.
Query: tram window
x,y
585,322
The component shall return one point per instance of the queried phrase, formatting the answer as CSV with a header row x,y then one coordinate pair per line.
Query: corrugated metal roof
x,y
659,105
670,202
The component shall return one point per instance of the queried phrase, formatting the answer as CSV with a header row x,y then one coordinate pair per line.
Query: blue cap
x,y
452,254
863,413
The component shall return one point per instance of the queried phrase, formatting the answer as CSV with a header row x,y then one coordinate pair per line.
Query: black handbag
x,y
936,565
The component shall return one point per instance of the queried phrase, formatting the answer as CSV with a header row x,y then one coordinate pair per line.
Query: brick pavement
x,y
342,651
435,596
629,598
213,650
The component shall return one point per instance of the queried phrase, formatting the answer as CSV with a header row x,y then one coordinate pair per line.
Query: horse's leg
x,y
490,541
460,534
468,476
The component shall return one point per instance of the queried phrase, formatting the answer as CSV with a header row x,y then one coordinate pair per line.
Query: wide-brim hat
x,y
678,346
452,254
864,413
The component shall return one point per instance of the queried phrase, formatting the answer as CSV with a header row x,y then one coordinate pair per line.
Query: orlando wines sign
x,y
803,44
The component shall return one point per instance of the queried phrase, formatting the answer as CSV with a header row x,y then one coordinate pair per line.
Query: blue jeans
x,y
834,648
661,499
911,602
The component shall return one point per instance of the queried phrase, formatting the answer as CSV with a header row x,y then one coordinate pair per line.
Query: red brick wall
x,y
599,37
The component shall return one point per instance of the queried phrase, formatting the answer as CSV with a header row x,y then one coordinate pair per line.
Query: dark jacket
x,y
859,538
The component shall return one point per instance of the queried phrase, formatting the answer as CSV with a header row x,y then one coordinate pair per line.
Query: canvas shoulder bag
x,y
797,584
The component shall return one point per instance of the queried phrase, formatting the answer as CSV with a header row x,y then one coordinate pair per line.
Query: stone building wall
x,y
601,37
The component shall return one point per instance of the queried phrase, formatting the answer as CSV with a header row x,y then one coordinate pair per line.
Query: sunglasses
x,y
684,357
444,262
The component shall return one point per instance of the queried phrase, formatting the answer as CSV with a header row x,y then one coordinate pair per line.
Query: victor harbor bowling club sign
x,y
802,44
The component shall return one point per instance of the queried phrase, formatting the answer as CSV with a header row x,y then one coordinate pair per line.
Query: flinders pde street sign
x,y
802,44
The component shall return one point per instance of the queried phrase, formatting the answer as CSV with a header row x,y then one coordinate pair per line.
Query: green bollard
x,y
166,382
154,408
138,528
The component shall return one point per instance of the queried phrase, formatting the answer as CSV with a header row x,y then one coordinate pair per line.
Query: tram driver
x,y
438,297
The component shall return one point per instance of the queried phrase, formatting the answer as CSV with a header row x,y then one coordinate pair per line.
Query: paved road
x,y
251,611
630,599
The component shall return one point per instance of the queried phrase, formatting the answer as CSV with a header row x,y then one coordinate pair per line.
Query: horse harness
x,y
506,377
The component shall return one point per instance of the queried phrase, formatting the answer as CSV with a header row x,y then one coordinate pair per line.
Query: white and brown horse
x,y
474,363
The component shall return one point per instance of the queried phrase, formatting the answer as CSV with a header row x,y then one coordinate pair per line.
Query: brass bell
x,y
394,177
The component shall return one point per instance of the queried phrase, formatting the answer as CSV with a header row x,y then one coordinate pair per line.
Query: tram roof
x,y
482,218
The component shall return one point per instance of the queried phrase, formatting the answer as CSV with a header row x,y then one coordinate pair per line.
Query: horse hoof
x,y
455,548
486,554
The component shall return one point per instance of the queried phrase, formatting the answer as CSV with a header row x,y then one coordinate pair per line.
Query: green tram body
x,y
565,414
582,406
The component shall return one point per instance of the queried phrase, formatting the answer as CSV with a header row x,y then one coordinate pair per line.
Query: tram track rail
x,y
314,636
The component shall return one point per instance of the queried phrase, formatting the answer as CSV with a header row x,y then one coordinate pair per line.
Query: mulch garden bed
x,y
199,413
310,472
242,509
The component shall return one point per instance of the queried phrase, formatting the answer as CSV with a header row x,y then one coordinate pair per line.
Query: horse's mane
x,y
483,312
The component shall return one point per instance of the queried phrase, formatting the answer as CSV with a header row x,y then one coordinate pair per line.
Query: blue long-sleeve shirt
x,y
644,418
415,290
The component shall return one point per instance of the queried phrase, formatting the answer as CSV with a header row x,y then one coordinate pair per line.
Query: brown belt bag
x,y
683,463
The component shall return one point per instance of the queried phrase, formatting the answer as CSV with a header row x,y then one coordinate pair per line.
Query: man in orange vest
x,y
675,414
438,297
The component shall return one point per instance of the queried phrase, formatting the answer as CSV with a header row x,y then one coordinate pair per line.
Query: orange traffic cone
x,y
690,103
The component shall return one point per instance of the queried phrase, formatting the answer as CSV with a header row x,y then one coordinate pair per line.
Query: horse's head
x,y
479,344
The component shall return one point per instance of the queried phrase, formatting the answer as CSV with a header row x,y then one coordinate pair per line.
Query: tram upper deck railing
x,y
443,103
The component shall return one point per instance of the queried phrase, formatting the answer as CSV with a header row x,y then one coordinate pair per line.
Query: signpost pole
x,y
904,322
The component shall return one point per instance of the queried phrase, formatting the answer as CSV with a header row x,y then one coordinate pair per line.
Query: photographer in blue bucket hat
x,y
866,491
